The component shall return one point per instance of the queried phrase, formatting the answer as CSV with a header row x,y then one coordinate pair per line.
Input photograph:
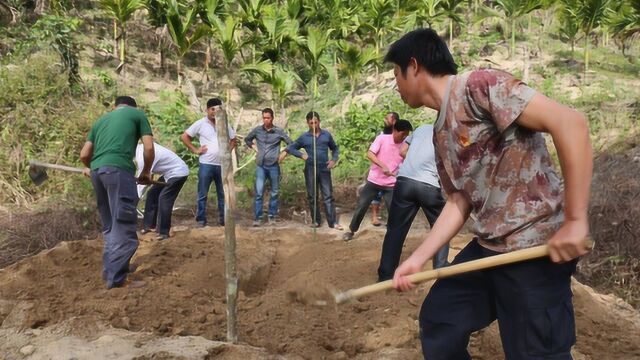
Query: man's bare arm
x,y
148,155
452,218
570,133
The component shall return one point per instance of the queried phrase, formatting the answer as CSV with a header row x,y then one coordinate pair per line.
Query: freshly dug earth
x,y
58,295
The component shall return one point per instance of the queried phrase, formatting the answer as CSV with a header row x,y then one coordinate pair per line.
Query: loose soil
x,y
55,305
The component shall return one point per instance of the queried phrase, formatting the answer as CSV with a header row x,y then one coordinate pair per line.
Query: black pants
x,y
159,204
409,196
531,300
368,192
321,184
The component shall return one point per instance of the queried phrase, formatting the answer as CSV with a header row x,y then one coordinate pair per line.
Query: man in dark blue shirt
x,y
267,146
317,170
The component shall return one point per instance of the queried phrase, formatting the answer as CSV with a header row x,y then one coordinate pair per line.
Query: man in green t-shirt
x,y
108,156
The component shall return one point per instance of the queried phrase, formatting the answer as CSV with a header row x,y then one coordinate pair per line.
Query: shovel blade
x,y
37,174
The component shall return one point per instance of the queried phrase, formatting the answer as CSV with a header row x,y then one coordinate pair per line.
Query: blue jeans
x,y
273,174
117,199
206,174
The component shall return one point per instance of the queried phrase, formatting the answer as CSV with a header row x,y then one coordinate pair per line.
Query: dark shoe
x,y
347,236
130,284
133,266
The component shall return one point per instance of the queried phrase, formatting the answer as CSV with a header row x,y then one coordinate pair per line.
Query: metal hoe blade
x,y
38,174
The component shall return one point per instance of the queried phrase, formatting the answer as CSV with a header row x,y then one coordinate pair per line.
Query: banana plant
x,y
570,27
157,17
625,24
121,11
184,31
210,11
315,47
511,11
450,9
283,82
377,20
431,11
278,32
591,14
227,36
352,60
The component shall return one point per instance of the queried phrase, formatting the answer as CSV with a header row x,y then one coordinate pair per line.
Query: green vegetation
x,y
58,66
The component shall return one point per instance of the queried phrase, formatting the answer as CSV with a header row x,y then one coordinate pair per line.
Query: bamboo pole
x,y
230,226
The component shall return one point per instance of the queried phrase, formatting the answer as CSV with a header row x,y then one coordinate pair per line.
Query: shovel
x,y
38,171
485,263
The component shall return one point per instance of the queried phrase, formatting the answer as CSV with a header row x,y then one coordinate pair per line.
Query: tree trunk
x,y
228,184
586,54
115,38
120,69
179,70
207,61
513,38
451,35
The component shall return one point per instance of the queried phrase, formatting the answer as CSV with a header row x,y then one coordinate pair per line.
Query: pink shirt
x,y
388,152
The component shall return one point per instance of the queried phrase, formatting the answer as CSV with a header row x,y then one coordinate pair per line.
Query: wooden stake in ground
x,y
222,128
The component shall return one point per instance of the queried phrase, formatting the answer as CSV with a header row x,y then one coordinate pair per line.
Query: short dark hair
x,y
429,50
268,110
126,100
403,125
394,115
311,115
213,102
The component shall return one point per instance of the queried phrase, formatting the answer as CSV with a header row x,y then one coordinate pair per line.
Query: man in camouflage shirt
x,y
494,167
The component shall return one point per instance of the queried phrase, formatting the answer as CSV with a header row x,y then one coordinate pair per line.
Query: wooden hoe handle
x,y
485,263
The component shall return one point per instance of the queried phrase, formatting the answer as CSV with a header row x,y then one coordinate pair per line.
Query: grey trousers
x,y
117,199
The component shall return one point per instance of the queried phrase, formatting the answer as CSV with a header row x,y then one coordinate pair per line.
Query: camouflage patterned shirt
x,y
503,169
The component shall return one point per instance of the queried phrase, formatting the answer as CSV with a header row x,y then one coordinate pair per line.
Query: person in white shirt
x,y
173,171
209,163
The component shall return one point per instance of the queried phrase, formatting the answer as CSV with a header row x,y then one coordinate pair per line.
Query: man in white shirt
x,y
160,198
209,163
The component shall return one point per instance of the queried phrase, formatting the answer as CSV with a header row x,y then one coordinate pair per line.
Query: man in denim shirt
x,y
267,146
318,177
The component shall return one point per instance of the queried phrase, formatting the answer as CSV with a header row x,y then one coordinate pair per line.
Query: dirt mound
x,y
614,214
184,296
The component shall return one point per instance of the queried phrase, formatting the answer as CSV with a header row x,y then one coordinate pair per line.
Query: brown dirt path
x,y
185,296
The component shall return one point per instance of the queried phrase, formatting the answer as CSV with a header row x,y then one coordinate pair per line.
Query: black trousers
x,y
367,194
321,183
409,196
159,204
531,301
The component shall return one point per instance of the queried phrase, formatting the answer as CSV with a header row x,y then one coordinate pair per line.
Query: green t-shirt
x,y
115,136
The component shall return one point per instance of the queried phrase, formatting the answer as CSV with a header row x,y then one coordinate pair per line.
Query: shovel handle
x,y
55,166
485,263
74,169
